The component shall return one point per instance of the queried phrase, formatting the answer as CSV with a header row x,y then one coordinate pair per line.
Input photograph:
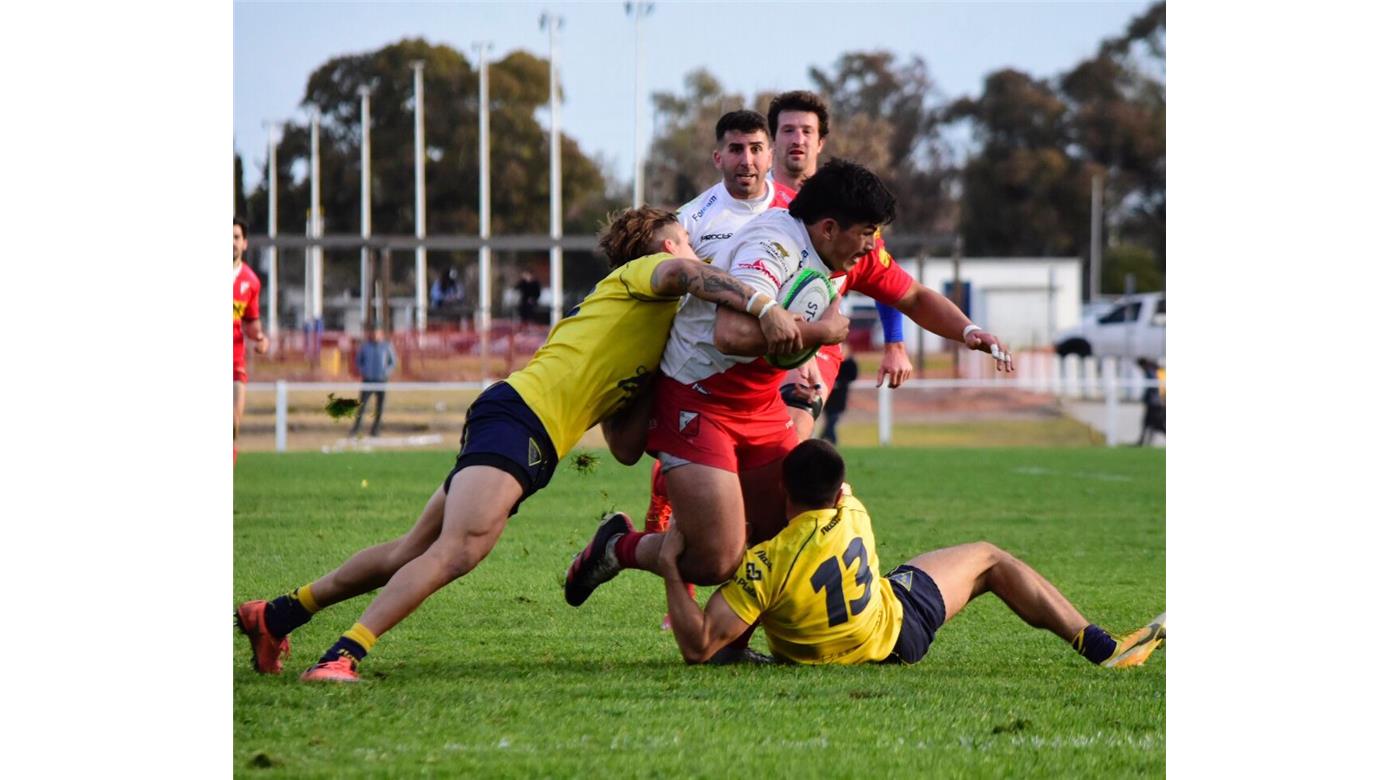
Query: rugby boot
x,y
1134,648
597,563
341,670
268,650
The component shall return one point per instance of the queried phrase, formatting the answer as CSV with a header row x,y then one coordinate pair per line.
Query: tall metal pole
x,y
364,206
317,229
1096,238
484,258
420,216
556,208
638,10
272,140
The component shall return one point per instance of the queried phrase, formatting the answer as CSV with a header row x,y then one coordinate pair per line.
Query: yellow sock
x,y
361,636
303,596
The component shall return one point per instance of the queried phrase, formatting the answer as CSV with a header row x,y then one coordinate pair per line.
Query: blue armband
x,y
892,320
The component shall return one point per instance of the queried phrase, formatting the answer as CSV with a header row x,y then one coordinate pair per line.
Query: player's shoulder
x,y
696,209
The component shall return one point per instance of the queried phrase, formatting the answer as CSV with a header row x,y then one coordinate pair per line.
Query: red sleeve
x,y
879,276
255,292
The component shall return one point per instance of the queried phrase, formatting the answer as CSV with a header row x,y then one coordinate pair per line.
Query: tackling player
x,y
814,589
246,289
597,359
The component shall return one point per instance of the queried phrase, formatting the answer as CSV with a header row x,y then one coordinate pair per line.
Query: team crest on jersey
x,y
689,423
775,250
752,572
904,578
885,258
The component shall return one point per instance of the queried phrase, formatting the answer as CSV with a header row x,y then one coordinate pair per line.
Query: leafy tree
x,y
519,87
679,165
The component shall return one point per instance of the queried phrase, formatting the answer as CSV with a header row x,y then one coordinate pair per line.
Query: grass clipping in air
x,y
585,463
340,408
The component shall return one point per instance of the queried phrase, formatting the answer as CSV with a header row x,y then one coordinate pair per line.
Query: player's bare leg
x,y
372,567
763,502
269,623
966,571
240,397
708,509
474,515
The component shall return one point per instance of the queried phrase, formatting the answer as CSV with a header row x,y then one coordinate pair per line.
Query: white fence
x,y
1104,380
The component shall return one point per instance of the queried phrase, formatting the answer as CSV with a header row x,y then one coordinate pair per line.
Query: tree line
x,y
1020,186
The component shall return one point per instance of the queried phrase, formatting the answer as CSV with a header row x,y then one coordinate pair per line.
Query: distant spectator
x,y
529,290
376,361
445,290
1154,399
836,403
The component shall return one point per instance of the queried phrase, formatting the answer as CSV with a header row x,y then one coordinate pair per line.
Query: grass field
x,y
496,676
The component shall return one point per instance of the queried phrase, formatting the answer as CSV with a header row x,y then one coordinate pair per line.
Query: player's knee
x,y
713,567
992,554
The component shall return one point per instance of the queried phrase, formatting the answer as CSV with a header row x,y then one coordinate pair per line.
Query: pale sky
x,y
750,47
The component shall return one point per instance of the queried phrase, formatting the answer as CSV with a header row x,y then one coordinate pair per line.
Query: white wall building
x,y
1023,300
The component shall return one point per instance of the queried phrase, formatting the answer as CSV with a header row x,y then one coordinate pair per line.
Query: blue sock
x,y
1094,643
345,647
286,614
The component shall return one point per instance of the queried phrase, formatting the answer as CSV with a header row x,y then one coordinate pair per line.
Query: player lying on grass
x,y
813,587
597,359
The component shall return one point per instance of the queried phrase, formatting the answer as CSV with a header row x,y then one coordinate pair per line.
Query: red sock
x,y
626,549
235,456
659,510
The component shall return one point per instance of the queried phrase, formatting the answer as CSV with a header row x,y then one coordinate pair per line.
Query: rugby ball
x,y
808,294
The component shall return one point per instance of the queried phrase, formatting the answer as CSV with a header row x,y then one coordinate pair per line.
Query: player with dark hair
x,y
719,427
743,156
246,291
596,361
814,589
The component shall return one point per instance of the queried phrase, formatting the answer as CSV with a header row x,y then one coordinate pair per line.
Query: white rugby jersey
x,y
715,215
765,253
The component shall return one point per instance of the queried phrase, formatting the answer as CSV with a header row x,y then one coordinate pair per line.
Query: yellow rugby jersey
x,y
599,354
816,588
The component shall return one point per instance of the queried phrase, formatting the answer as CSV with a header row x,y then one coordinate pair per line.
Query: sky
x,y
277,45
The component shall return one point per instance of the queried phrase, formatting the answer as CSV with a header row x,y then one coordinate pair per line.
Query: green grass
x,y
496,676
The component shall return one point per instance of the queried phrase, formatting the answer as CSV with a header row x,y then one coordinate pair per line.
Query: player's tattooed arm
x,y
779,332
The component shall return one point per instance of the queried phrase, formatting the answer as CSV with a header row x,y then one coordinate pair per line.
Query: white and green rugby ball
x,y
807,294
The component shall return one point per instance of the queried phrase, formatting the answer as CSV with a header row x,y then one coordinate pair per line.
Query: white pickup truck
x,y
1134,327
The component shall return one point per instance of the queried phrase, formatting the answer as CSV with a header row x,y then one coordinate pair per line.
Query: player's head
x,y
240,238
798,124
812,475
743,154
644,231
842,205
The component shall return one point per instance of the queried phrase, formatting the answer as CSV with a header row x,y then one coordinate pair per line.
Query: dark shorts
x,y
924,613
502,431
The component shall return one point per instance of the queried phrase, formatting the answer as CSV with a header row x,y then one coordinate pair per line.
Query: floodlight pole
x,y
556,209
1096,238
364,206
420,216
638,10
317,229
484,256
271,229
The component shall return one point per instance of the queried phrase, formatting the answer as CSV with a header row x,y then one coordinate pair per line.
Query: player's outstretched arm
x,y
936,314
681,275
699,634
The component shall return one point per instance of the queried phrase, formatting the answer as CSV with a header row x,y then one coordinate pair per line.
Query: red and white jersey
x,y
246,289
765,253
782,194
713,217
876,274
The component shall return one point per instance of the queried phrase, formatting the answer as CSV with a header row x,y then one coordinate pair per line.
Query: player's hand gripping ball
x,y
808,294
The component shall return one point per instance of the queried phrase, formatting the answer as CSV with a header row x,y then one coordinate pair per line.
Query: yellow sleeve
x,y
744,593
636,278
